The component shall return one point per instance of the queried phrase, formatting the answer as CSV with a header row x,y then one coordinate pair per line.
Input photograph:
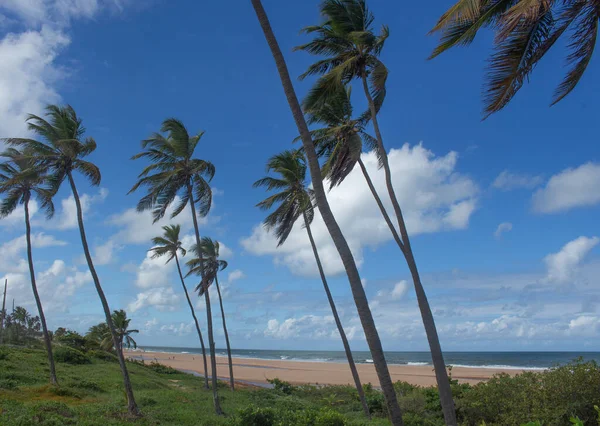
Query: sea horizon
x,y
533,360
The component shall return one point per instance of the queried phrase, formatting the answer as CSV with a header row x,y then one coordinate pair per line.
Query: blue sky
x,y
503,212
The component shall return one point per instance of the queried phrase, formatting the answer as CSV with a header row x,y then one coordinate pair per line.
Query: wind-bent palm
x,y
170,245
294,200
19,180
124,333
353,52
173,173
209,251
60,154
525,30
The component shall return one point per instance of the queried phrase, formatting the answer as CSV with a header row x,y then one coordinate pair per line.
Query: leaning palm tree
x,y
170,245
525,30
358,292
121,323
19,180
209,251
60,154
294,200
353,51
174,173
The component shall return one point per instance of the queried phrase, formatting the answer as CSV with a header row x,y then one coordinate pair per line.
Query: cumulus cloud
x,y
507,181
154,272
66,217
399,290
181,329
502,228
106,253
563,266
434,198
12,251
571,188
311,326
162,298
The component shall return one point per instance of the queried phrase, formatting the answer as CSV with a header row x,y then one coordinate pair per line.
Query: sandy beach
x,y
259,370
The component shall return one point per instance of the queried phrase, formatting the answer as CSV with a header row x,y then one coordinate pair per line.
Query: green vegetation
x,y
91,394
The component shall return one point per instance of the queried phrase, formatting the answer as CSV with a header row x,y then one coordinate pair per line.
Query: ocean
x,y
508,360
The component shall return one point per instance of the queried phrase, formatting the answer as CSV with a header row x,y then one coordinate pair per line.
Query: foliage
x,y
21,328
281,386
71,339
103,355
69,355
256,416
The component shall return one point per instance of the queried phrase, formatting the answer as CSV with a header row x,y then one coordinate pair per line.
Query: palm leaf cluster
x,y
525,30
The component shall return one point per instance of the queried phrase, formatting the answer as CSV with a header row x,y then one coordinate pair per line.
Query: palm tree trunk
x,y
231,381
357,382
187,296
3,313
209,325
358,292
429,323
131,404
36,295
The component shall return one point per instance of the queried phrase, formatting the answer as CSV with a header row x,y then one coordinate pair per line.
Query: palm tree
x,y
353,48
293,201
169,245
174,172
209,251
333,228
97,334
525,30
124,333
19,180
60,154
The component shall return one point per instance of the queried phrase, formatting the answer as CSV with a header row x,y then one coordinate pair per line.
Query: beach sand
x,y
296,372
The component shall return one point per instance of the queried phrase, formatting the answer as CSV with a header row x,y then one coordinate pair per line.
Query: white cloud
x,y
502,228
311,326
105,253
11,260
433,196
66,218
181,329
16,220
235,275
507,181
27,76
137,227
224,251
163,299
562,266
569,189
155,272
399,290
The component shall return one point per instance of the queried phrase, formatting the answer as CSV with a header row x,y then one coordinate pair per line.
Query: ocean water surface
x,y
516,360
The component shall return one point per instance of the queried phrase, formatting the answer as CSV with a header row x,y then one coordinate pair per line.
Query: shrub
x,y
162,369
70,356
3,355
282,386
8,384
87,385
255,416
328,417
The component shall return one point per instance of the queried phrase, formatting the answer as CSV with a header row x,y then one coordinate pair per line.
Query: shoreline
x,y
258,371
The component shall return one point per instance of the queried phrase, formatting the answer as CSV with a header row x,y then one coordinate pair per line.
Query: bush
x,y
3,355
255,416
87,385
162,369
70,356
329,418
8,384
103,355
282,386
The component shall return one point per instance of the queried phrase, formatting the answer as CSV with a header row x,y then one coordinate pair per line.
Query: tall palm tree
x,y
209,251
174,172
60,154
121,322
292,202
19,180
169,245
525,30
353,51
358,292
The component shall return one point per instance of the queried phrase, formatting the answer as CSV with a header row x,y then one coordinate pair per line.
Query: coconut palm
x,y
525,30
353,50
174,175
209,250
358,292
292,201
169,245
97,334
60,154
121,323
19,180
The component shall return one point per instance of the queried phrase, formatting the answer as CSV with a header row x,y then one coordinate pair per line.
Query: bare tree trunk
x,y
429,323
36,295
131,404
336,317
231,381
3,313
209,325
358,292
195,321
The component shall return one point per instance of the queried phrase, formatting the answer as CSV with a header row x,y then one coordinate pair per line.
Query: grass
x,y
92,394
